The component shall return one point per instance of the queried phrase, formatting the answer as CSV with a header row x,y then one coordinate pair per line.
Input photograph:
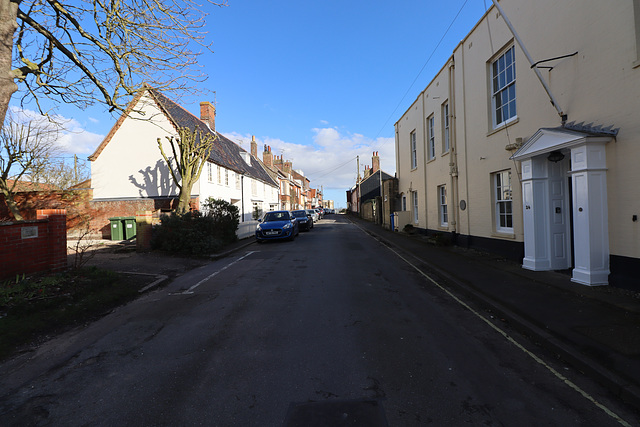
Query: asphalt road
x,y
332,327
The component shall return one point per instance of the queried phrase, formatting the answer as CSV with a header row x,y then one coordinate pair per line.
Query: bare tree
x,y
190,150
25,151
61,173
87,51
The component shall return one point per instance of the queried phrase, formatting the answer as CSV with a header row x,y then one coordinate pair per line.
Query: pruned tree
x,y
190,149
86,51
25,151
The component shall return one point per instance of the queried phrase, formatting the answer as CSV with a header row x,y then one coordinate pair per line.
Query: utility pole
x,y
358,182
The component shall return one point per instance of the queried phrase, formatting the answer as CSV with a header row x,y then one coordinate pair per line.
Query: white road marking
x,y
191,289
557,374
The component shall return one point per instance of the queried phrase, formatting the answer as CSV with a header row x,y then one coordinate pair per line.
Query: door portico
x,y
557,163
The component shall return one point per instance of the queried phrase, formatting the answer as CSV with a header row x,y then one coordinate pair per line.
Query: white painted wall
x,y
131,166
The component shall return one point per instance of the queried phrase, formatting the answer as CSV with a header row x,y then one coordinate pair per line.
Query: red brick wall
x,y
46,252
102,210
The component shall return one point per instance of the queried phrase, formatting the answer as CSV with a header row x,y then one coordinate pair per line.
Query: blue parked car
x,y
277,225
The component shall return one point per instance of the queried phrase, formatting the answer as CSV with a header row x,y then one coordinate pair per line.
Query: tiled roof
x,y
225,152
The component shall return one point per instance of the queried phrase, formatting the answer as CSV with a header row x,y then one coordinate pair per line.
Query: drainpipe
x,y
242,195
424,165
453,165
465,159
562,115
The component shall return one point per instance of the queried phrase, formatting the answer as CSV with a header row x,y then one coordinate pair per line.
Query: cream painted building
x,y
484,155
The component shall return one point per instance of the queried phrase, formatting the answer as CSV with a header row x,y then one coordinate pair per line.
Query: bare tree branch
x,y
191,150
25,150
87,51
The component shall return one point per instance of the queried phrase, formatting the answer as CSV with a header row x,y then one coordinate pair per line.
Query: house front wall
x,y
597,83
412,179
130,165
240,190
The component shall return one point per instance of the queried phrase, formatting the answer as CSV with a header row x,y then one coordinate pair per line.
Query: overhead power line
x,y
419,72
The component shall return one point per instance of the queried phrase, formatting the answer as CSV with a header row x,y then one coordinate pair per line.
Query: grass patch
x,y
35,306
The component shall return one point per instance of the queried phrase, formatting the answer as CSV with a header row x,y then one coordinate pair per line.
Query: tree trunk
x,y
13,206
185,196
8,26
183,201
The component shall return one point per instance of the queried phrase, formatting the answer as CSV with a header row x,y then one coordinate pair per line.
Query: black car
x,y
305,222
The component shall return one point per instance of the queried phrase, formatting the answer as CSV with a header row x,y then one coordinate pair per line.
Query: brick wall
x,y
102,210
35,245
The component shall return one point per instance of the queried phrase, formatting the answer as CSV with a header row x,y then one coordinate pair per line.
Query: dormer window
x,y
246,157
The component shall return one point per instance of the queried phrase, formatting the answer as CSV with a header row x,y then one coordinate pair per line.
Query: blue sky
x,y
320,82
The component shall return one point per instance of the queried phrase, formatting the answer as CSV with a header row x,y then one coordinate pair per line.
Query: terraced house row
x,y
527,140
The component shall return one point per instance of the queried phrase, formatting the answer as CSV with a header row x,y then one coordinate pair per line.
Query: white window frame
x,y
443,213
445,128
414,149
414,197
503,88
503,201
226,177
219,174
209,172
431,138
404,202
238,183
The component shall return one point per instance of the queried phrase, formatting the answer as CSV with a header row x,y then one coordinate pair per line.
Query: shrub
x,y
193,233
225,216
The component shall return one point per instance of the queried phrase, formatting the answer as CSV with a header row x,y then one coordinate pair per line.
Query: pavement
x,y
594,329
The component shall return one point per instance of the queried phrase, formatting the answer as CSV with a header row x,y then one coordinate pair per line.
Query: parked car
x,y
320,212
305,222
277,225
314,215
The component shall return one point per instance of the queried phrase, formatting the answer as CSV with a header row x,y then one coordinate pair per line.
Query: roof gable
x,y
546,140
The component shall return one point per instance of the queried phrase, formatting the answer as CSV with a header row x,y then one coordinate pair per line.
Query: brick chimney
x,y
208,114
278,162
267,157
254,147
287,166
375,162
367,172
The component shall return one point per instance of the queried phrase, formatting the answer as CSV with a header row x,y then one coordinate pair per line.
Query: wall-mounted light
x,y
555,156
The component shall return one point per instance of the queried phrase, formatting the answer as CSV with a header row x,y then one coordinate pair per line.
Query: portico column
x,y
535,218
590,215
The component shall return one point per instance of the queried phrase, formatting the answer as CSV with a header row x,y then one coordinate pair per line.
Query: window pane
x,y
509,74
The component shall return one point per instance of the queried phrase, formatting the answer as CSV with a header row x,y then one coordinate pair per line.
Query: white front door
x,y
559,215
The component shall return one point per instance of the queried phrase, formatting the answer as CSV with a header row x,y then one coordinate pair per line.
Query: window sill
x,y
446,153
636,64
433,159
504,126
503,235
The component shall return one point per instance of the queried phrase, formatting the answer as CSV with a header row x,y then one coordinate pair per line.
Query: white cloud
x,y
73,138
330,161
